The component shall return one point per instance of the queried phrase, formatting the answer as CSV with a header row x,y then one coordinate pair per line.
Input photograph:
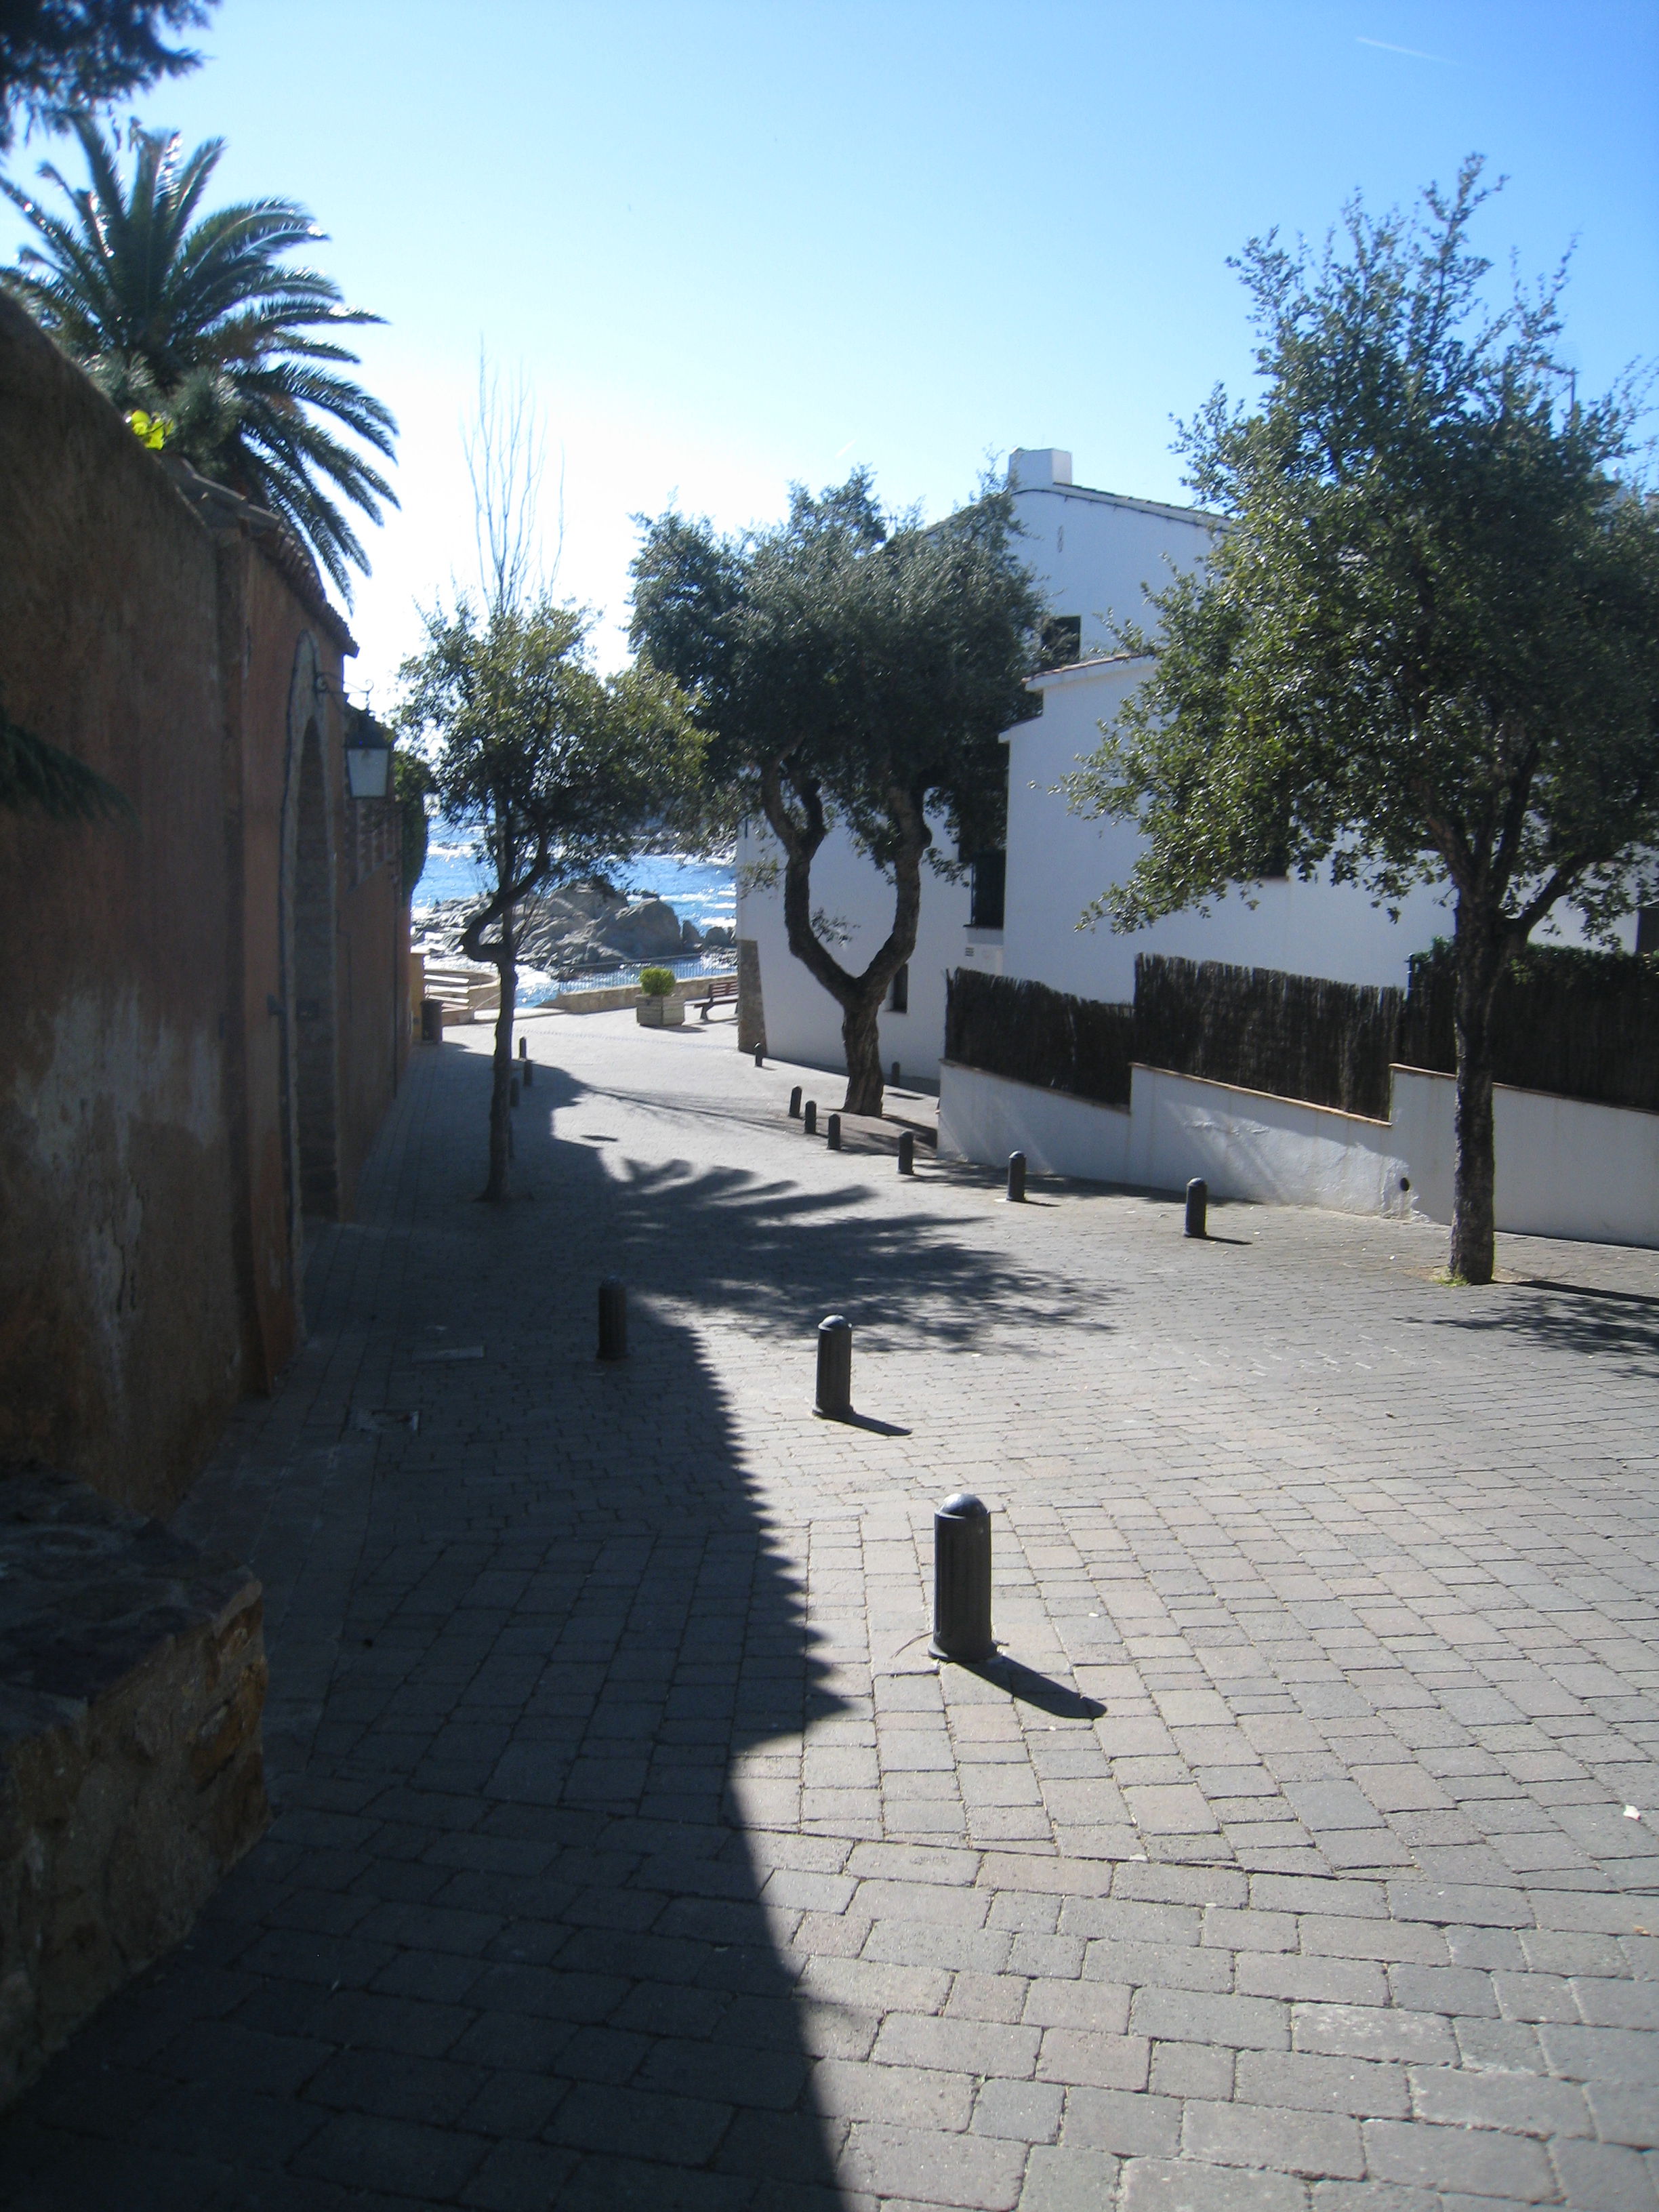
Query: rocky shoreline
x,y
579,926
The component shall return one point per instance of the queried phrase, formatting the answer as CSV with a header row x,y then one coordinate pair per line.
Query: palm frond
x,y
199,316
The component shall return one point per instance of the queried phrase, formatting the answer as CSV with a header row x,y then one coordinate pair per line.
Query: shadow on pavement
x,y
1623,1325
506,1945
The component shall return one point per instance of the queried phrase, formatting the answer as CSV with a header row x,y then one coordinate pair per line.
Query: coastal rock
x,y
581,925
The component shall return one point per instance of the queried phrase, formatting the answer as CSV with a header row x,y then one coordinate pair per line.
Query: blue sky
x,y
734,243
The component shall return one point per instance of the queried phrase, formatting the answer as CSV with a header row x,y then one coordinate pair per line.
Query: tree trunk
x,y
860,1037
1479,957
859,997
500,1106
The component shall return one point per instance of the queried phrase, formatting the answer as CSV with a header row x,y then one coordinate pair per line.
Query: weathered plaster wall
x,y
121,1337
151,1024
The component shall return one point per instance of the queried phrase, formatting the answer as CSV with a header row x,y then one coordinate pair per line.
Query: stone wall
x,y
132,1675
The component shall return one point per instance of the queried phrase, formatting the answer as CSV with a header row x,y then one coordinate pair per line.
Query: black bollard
x,y
524,1049
832,1130
896,1071
513,1091
809,1117
759,1055
613,1318
1197,1204
1016,1178
962,1581
835,1391
794,1103
529,1073
907,1152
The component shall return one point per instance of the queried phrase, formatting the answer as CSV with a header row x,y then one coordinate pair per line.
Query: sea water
x,y
700,892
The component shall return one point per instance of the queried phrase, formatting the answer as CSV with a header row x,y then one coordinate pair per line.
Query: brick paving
x,y
1299,1856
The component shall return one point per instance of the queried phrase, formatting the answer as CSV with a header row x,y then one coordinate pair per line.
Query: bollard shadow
x,y
520,1932
1027,1687
866,1421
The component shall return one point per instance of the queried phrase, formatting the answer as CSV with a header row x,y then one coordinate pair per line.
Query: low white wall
x,y
1564,1168
983,1118
1247,1144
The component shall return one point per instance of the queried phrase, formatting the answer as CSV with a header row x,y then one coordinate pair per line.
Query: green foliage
x,y
850,665
411,779
56,55
657,983
1425,645
561,771
38,778
871,663
203,324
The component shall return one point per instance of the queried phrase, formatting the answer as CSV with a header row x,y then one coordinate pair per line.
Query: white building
x,y
1095,555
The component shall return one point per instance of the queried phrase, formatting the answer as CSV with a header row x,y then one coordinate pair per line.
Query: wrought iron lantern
x,y
367,752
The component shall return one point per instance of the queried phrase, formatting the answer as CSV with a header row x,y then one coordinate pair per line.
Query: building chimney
x,y
1038,468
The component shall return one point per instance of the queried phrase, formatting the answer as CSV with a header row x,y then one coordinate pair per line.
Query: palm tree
x,y
204,330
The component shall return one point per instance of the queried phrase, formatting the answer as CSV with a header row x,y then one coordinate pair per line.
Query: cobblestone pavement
x,y
1301,1852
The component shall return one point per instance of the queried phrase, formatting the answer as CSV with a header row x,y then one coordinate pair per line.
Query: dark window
x,y
990,876
1062,641
898,1000
1647,928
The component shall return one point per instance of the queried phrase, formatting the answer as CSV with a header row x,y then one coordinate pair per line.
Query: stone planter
x,y
660,1013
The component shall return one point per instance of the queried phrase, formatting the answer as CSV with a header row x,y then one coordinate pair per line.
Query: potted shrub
x,y
658,1007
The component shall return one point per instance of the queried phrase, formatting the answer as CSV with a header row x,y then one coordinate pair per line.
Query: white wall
x,y
1058,863
803,1022
1564,1168
1096,554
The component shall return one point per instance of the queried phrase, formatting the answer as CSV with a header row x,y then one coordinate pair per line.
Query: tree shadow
x,y
1618,1325
508,1941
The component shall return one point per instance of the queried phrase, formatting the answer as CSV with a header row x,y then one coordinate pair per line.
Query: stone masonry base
x,y
132,1675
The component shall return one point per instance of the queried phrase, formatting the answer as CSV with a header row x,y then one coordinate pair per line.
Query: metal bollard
x,y
613,1318
907,1152
432,1021
794,1103
523,1049
1016,1178
896,1071
759,1055
832,1130
513,1091
1198,1202
529,1073
809,1117
834,1400
962,1581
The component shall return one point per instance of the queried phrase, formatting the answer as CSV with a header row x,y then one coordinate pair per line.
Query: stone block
x,y
132,1678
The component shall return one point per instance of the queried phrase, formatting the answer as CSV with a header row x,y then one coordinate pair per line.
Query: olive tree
x,y
856,666
1425,647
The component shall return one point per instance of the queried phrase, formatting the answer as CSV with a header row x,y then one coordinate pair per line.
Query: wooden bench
x,y
720,986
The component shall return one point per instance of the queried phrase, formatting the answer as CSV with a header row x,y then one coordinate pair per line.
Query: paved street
x,y
1303,1850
